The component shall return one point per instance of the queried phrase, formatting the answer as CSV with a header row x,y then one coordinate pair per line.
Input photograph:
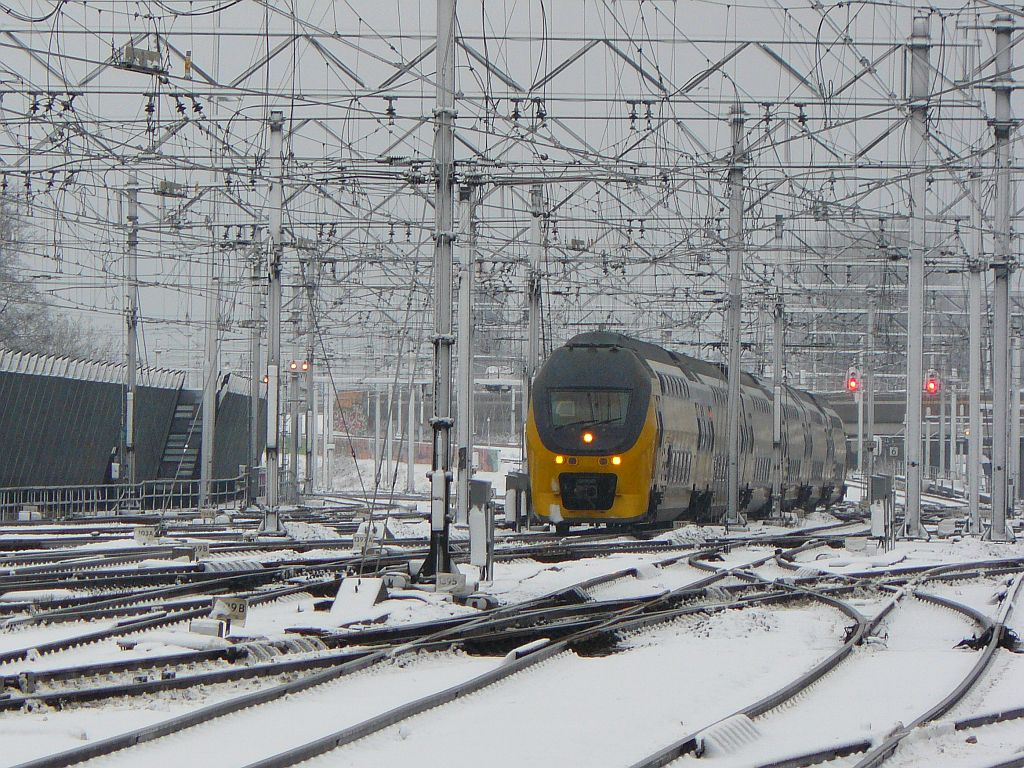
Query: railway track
x,y
868,682
586,620
576,627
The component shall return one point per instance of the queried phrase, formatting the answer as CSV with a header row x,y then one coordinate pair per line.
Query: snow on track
x,y
609,710
881,685
240,738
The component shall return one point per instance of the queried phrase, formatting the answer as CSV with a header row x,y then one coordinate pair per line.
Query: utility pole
x,y
410,456
210,374
211,362
1014,452
326,474
868,388
859,397
917,156
378,456
941,405
736,115
464,336
1002,266
778,377
953,437
131,315
533,302
312,280
293,393
439,558
975,438
255,316
272,513
312,404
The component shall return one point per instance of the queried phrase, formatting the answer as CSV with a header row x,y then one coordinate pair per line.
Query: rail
x,y
66,501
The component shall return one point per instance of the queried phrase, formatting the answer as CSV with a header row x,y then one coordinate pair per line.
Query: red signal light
x,y
853,381
931,386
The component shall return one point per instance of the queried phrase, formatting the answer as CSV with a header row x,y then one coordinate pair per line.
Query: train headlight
x,y
559,459
588,437
616,460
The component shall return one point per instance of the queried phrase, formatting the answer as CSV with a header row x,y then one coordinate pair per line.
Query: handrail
x,y
63,501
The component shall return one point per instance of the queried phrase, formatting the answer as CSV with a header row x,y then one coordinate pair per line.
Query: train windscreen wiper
x,y
589,422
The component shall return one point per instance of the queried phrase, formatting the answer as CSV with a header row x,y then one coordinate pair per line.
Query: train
x,y
625,432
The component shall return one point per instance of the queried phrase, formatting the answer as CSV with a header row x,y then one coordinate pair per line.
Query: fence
x,y
60,502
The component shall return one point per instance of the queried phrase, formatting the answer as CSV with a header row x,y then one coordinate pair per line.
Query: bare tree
x,y
29,322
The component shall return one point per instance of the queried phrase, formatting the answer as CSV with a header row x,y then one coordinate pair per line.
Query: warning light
x,y
266,379
293,365
588,437
931,386
305,365
616,460
853,381
559,459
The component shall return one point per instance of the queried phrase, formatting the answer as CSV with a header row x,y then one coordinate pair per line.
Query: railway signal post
x,y
853,386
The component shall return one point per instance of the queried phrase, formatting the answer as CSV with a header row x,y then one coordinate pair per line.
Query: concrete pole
x,y
439,558
312,440
378,456
1002,265
211,362
131,314
868,387
294,395
533,302
732,512
954,438
255,301
275,169
389,438
942,436
920,75
312,280
778,378
410,459
1014,452
328,435
975,440
211,374
512,413
859,396
464,407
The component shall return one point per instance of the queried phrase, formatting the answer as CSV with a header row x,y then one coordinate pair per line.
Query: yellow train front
x,y
592,435
621,431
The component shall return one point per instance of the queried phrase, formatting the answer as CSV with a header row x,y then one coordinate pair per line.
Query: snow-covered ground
x,y
658,685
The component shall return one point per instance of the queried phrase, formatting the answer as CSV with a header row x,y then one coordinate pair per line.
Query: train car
x,y
621,431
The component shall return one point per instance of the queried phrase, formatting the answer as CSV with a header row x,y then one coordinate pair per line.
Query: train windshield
x,y
580,407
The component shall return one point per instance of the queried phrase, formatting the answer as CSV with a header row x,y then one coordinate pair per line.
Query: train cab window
x,y
576,407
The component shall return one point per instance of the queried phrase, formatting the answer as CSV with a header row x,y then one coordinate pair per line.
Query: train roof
x,y
650,351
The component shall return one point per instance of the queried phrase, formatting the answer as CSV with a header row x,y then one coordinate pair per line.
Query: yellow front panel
x,y
633,486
